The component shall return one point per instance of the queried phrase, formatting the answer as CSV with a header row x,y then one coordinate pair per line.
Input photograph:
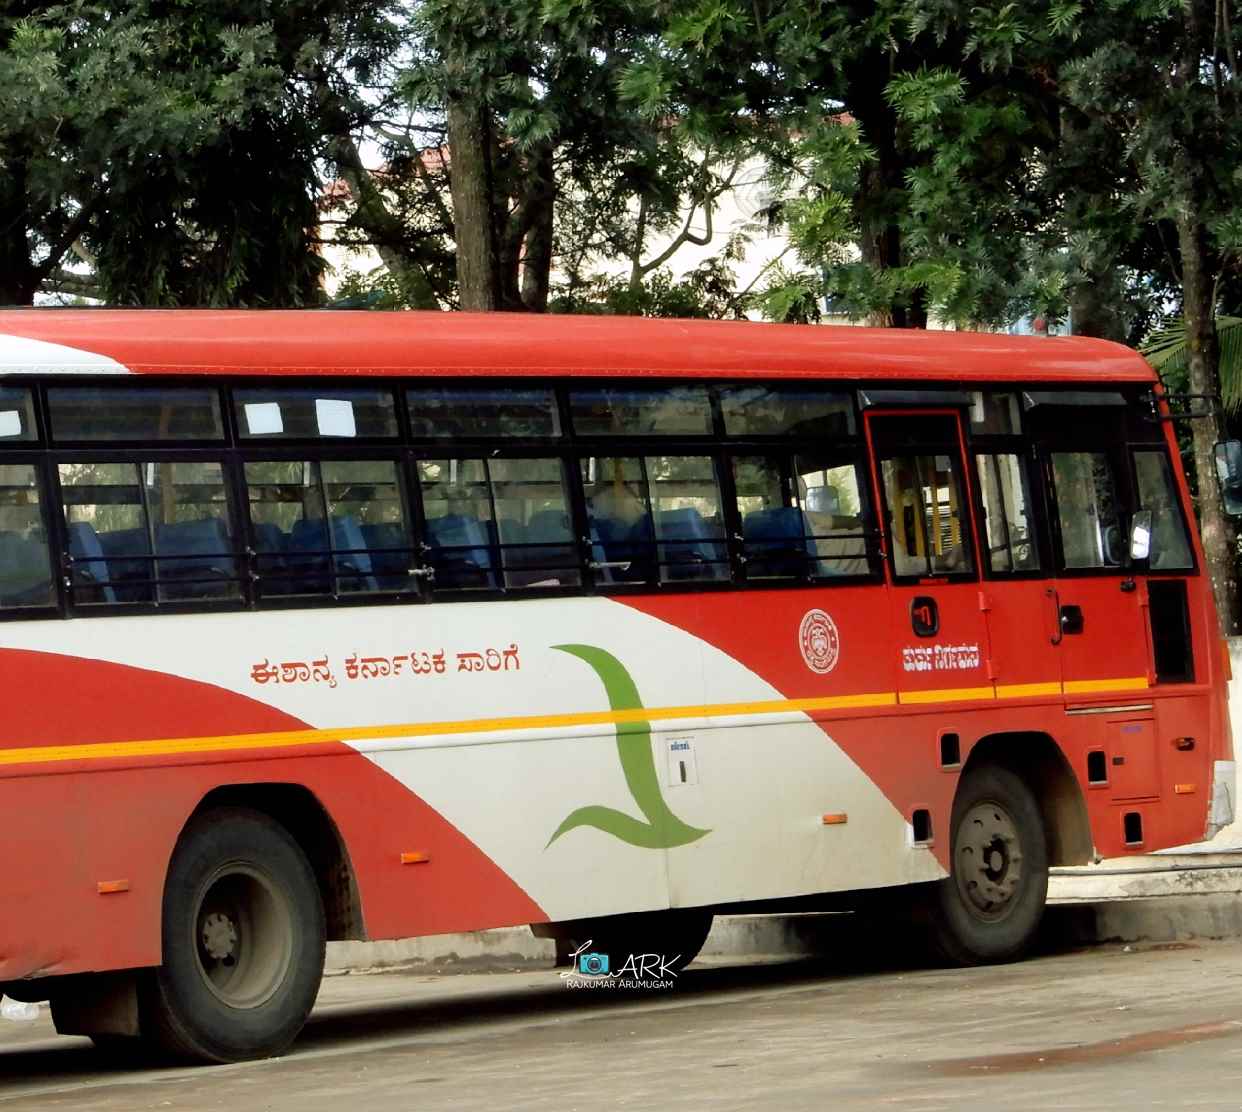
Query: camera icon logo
x,y
593,965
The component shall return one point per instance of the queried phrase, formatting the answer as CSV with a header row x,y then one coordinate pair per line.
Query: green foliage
x,y
1168,350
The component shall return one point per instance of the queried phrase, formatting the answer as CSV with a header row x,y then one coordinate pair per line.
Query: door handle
x,y
1051,592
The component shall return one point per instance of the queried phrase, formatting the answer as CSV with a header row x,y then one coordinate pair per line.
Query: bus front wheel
x,y
243,933
990,907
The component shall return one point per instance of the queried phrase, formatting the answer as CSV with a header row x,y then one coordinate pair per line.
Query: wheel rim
x,y
243,936
988,864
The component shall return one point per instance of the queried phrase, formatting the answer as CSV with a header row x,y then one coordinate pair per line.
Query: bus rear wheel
x,y
243,935
990,908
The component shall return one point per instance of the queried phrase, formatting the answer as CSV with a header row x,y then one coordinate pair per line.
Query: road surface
x,y
1106,1028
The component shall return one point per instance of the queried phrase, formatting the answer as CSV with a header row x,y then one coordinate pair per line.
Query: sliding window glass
x,y
802,515
1011,544
1088,510
148,532
1170,546
654,517
25,562
493,523
328,527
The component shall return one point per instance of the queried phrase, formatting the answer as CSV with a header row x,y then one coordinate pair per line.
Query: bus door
x,y
940,628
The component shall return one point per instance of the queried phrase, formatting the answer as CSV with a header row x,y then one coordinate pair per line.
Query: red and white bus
x,y
331,625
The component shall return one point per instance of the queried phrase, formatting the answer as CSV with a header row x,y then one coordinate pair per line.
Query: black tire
x,y
989,909
243,942
675,936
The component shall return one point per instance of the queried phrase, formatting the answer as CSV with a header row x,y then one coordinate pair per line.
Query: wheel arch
x,y
301,813
1042,765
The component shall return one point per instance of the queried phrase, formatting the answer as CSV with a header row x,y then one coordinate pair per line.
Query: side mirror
x,y
1229,471
1140,536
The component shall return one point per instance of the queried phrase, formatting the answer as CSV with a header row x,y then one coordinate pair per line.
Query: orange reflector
x,y
108,887
1184,789
836,820
418,857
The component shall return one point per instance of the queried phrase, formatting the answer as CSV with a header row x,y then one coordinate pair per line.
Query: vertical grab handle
x,y
1056,615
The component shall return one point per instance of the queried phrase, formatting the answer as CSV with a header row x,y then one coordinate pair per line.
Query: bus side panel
x,y
65,835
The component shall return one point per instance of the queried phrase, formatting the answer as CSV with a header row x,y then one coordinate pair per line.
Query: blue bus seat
x,y
90,568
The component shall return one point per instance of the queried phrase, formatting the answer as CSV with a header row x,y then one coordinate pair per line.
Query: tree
x,y
172,148
1139,172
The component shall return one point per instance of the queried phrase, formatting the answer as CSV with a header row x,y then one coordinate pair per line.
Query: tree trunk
x,y
537,258
881,184
18,279
1219,533
474,229
385,230
1093,308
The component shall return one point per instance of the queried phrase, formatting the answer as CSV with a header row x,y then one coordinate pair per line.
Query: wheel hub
x,y
988,860
244,934
219,937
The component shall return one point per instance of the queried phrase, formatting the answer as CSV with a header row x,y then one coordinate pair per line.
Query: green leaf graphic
x,y
663,829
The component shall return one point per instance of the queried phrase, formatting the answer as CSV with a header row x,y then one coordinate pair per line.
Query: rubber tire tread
x,y
954,934
178,1013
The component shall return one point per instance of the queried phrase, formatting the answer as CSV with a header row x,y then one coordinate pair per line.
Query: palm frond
x,y
1168,352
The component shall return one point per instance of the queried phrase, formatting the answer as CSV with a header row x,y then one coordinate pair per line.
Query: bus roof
x,y
336,342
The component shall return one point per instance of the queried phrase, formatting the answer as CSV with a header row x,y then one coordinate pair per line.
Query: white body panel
x,y
759,784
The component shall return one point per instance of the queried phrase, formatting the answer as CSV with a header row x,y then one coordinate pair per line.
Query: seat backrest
x,y
348,540
776,539
269,538
548,527
25,570
85,548
460,550
699,550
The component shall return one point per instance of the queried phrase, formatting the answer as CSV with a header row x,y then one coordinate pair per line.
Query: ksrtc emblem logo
x,y
819,641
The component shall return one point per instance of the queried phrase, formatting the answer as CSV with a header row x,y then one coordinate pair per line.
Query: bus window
x,y
17,421
1170,547
328,527
301,413
498,522
654,512
1087,510
135,526
25,565
533,526
1006,513
482,411
98,413
928,530
760,409
641,411
801,516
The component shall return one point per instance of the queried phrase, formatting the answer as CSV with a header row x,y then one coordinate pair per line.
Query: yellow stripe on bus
x,y
1026,690
948,695
286,739
1091,687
